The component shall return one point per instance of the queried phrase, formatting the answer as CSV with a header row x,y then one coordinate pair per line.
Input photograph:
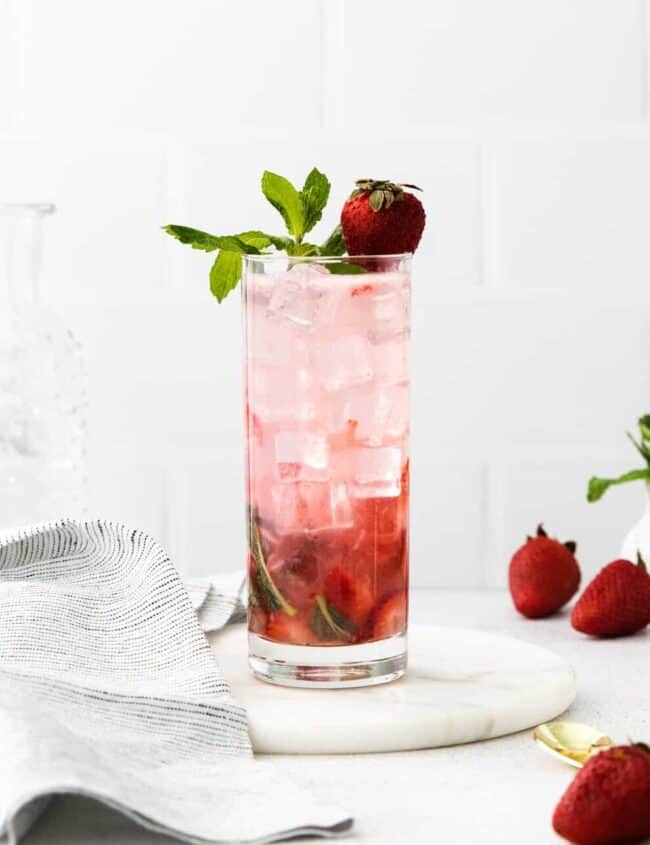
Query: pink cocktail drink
x,y
327,421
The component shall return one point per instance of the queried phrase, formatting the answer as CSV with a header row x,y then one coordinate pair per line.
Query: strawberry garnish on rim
x,y
381,218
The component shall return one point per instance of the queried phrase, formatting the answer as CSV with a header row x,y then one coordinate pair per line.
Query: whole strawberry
x,y
616,603
543,576
380,218
608,801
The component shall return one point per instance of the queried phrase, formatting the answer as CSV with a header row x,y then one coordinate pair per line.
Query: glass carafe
x,y
42,386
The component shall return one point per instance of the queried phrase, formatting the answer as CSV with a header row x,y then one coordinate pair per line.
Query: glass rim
x,y
326,259
36,208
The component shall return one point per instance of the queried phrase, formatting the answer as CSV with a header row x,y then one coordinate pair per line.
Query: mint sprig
x,y
597,487
328,623
287,200
314,195
264,588
301,210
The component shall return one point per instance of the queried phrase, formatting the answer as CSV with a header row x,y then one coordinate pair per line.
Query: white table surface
x,y
502,791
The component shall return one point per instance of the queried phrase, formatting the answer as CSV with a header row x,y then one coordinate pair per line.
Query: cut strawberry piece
x,y
257,620
295,569
345,438
361,290
288,629
389,617
289,470
352,596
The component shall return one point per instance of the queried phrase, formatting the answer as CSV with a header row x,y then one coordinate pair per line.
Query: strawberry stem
x,y
640,562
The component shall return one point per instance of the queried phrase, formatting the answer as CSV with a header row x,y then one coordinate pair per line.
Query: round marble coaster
x,y
461,686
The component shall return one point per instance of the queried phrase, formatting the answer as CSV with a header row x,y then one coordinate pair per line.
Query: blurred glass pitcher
x,y
42,386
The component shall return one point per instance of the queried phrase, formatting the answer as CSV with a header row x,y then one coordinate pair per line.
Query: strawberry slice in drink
x,y
388,618
288,629
352,596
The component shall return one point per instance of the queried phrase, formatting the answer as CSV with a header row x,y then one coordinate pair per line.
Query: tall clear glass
x,y
326,366
42,385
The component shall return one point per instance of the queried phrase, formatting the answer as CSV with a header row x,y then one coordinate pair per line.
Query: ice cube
x,y
342,515
367,409
300,294
377,472
310,505
397,423
391,312
390,360
343,362
276,393
272,341
301,456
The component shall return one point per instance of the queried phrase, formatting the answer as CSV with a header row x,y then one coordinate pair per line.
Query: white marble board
x,y
462,686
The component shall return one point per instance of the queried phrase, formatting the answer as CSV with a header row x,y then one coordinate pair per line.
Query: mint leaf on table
x,y
314,196
328,623
334,245
287,200
225,273
264,589
598,486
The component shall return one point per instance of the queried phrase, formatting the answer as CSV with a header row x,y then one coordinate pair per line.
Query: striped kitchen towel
x,y
108,689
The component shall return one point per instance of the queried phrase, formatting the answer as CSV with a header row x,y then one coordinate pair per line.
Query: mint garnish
x,y
300,210
334,244
287,200
264,589
328,623
225,273
314,195
598,486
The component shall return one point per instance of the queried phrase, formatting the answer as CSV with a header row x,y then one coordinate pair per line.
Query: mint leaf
x,y
328,623
208,243
644,427
195,237
314,196
285,198
342,268
225,273
641,448
264,589
302,249
598,486
334,245
261,240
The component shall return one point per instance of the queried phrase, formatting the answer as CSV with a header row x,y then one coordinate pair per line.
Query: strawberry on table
x,y
608,802
543,576
381,218
616,603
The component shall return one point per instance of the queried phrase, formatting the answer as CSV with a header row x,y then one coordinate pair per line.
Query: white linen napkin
x,y
108,689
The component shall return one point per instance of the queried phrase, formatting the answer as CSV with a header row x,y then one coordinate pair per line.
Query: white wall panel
x,y
575,215
468,60
201,66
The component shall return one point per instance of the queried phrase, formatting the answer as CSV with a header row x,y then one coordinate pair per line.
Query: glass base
x,y
327,667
